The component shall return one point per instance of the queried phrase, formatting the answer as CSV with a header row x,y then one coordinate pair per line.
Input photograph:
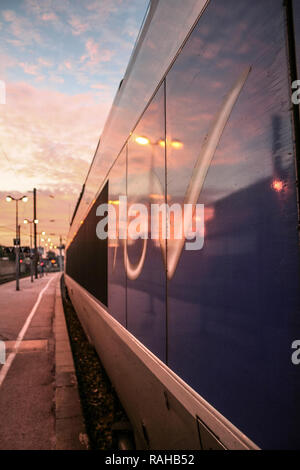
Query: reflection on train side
x,y
232,305
225,311
146,311
296,8
193,191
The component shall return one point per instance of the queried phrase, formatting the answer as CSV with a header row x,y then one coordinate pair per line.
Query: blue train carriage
x,y
198,343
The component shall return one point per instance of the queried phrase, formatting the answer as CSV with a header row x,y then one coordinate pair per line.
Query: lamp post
x,y
30,222
17,241
35,241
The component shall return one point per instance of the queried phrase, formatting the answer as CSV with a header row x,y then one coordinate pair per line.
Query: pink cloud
x,y
106,55
57,79
21,28
50,128
6,62
49,17
15,42
44,62
104,8
94,56
49,139
100,86
33,69
40,78
77,26
29,69
9,15
68,64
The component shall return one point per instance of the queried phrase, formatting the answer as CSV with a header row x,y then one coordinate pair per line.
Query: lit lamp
x,y
27,221
176,144
142,140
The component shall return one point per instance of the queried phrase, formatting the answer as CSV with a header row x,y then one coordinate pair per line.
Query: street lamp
x,y
30,222
27,221
17,241
56,247
41,236
10,198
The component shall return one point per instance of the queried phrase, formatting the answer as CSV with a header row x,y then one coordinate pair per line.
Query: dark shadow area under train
x,y
106,422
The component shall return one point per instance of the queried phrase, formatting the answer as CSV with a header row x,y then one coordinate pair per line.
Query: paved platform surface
x,y
70,429
39,403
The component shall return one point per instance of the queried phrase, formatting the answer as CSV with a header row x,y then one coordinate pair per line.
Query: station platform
x,y
39,400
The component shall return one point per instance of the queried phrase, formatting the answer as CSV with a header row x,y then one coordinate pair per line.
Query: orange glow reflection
x,y
142,141
176,144
277,185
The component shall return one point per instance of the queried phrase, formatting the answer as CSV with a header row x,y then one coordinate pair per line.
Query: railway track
x,y
10,277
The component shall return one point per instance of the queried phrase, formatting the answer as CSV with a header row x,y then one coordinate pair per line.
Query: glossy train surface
x,y
198,343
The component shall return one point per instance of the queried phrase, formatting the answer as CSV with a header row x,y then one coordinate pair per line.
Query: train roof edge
x,y
165,27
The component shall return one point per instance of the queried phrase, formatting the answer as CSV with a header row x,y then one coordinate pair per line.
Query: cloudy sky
x,y
61,62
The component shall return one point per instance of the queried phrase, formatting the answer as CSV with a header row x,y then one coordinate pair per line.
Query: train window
x,y
146,283
87,255
232,304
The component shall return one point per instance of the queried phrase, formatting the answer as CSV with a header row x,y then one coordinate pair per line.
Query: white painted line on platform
x,y
22,333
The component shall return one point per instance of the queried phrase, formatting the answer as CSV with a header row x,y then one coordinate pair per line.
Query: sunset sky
x,y
62,62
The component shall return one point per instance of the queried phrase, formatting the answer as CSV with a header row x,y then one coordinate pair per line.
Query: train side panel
x,y
221,321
